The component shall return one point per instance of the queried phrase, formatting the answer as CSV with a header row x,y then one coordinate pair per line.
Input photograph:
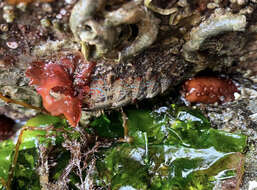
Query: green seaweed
x,y
25,175
45,120
108,125
173,148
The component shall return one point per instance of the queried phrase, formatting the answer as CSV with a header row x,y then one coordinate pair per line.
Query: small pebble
x,y
217,1
12,45
8,14
63,12
70,1
252,185
59,16
212,5
47,7
22,6
241,2
4,27
237,95
247,10
45,22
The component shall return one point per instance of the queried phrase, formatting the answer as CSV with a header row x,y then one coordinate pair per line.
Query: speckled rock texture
x,y
141,48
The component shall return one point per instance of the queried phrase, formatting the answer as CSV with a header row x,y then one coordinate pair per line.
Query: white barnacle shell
x,y
219,22
100,36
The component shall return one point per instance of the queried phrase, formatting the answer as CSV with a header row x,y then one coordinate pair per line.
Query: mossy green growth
x,y
108,126
25,175
174,149
42,120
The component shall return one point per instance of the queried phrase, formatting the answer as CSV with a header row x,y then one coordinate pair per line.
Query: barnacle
x,y
148,4
183,11
99,30
218,22
87,30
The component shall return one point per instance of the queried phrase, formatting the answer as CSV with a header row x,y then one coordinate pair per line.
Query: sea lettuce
x,y
172,148
25,174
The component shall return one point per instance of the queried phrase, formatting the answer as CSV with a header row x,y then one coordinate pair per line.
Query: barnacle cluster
x,y
219,22
177,10
101,26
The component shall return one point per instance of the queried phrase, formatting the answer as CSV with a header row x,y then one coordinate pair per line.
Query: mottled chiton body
x,y
69,83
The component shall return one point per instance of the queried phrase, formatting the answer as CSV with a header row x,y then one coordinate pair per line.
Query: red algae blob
x,y
54,81
209,90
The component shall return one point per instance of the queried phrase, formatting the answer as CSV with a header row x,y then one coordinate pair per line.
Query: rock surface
x,y
132,62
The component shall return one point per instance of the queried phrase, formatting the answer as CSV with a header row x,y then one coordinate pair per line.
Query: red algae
x,y
209,90
55,83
